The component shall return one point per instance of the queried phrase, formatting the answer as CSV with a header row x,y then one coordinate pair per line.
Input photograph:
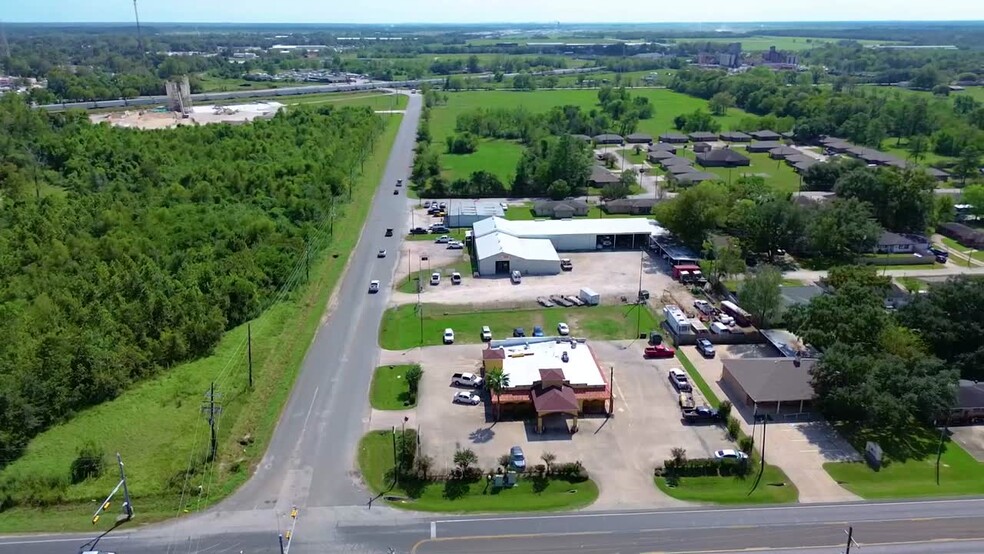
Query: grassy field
x,y
910,469
389,389
630,154
530,495
500,157
764,42
930,159
222,84
157,426
734,490
400,329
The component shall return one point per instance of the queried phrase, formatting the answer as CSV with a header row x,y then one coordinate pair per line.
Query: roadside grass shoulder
x,y
909,466
401,327
530,494
389,390
954,245
157,426
774,488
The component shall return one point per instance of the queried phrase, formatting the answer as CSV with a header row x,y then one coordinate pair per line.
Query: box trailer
x,y
684,268
589,297
742,318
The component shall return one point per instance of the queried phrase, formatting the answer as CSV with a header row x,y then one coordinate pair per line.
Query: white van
x,y
517,277
719,328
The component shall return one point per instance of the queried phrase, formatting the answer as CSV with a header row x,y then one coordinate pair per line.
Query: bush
x,y
702,467
724,409
465,143
573,472
90,462
745,444
734,428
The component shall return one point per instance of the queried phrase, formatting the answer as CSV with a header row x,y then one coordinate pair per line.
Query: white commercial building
x,y
501,254
463,213
524,358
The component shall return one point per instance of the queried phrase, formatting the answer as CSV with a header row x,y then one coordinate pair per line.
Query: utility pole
x,y
642,259
939,449
611,391
249,352
212,410
136,15
127,508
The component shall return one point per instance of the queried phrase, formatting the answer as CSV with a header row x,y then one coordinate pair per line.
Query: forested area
x,y
865,116
124,252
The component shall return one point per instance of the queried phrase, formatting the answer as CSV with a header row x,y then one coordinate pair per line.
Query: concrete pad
x,y
971,438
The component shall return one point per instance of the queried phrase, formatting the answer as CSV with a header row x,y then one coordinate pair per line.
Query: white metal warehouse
x,y
465,214
501,254
529,254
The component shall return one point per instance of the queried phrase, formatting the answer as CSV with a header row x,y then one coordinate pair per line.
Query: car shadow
x,y
481,435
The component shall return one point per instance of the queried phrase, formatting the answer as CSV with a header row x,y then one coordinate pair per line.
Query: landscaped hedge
x,y
703,467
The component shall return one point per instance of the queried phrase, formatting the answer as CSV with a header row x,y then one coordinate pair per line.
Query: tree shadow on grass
x,y
913,443
540,484
456,488
405,399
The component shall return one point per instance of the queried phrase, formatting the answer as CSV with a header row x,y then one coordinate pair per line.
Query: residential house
x,y
639,138
769,384
735,136
673,138
894,243
679,168
601,177
702,136
938,174
702,147
658,155
765,134
608,139
674,160
695,177
969,408
561,209
764,146
633,206
812,197
802,166
662,147
723,157
967,236
798,158
583,138
783,151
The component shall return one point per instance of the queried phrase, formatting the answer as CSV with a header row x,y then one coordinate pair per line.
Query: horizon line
x,y
545,22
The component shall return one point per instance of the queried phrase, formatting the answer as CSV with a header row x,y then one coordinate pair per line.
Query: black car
x,y
389,232
440,229
705,348
519,332
701,414
418,231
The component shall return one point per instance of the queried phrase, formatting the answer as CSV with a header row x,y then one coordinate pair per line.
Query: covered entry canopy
x,y
551,395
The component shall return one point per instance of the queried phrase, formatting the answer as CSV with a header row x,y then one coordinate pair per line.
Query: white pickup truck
x,y
466,380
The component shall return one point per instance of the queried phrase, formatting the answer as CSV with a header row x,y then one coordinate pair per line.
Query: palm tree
x,y
496,381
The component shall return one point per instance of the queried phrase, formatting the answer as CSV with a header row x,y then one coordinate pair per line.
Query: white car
x,y
381,254
486,333
466,397
730,454
504,206
373,286
563,329
443,239
435,278
455,245
449,336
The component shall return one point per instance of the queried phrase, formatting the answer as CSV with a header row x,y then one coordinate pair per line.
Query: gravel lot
x,y
620,452
610,274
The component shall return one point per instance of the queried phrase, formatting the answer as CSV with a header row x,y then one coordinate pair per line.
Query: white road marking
x,y
310,409
433,530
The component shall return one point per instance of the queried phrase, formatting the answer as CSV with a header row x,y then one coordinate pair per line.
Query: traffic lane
x,y
810,537
708,518
219,543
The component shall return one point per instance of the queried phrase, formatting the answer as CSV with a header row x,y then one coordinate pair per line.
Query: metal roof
x,y
494,244
543,229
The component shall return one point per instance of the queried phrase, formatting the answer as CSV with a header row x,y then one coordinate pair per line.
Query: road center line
x,y
433,530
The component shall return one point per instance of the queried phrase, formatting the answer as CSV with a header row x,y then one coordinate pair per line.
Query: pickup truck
x,y
701,414
467,380
658,351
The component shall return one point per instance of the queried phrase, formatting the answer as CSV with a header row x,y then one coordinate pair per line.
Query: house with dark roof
x,y
722,157
680,169
969,407
967,236
601,177
735,136
663,147
639,138
608,139
632,206
675,138
782,152
657,155
765,134
674,160
764,146
800,167
797,158
695,177
769,384
894,243
583,138
561,209
702,136
702,147
938,174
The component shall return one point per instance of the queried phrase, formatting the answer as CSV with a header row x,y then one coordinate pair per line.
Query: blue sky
x,y
482,11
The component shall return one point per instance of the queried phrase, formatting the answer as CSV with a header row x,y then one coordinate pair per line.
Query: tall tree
x,y
841,230
720,102
769,225
760,294
496,381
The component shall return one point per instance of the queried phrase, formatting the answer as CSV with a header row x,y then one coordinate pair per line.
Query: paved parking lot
x,y
800,449
620,452
610,274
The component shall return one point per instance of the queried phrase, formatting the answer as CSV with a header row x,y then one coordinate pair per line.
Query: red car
x,y
659,351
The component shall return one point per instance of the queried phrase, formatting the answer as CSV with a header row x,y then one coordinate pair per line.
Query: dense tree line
x,y
123,252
